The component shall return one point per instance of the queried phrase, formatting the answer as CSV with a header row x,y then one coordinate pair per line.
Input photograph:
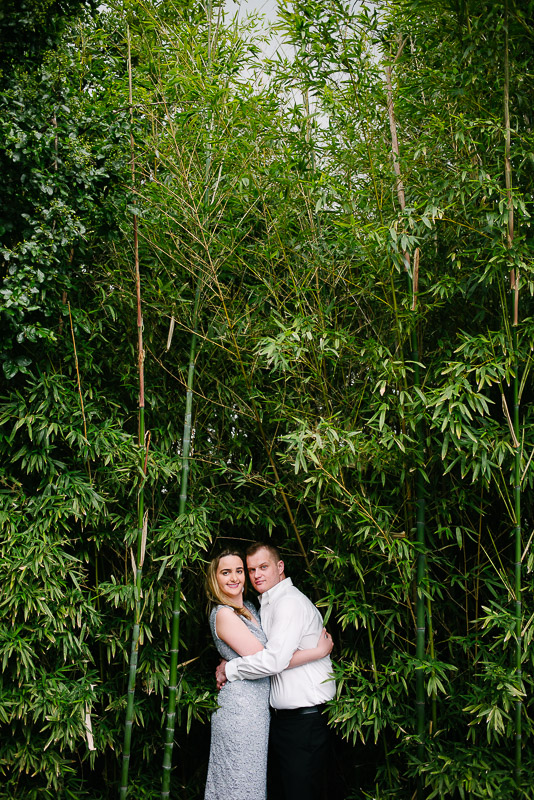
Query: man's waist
x,y
288,690
292,712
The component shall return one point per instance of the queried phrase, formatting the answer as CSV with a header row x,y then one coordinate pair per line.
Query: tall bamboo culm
x,y
412,272
137,562
516,438
170,723
175,624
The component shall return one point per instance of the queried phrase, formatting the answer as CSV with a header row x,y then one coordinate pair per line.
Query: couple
x,y
290,645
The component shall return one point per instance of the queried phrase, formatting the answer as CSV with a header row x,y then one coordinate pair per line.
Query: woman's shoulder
x,y
224,610
215,610
213,617
227,615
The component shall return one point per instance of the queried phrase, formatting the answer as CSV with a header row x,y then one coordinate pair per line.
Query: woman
x,y
240,726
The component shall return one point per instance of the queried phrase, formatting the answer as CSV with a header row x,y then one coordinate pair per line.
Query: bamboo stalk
x,y
434,708
517,574
142,521
516,436
78,379
421,565
170,724
175,625
82,407
412,280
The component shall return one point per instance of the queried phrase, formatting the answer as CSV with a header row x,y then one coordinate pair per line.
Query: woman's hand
x,y
325,643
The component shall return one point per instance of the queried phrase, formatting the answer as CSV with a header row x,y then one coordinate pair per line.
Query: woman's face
x,y
231,577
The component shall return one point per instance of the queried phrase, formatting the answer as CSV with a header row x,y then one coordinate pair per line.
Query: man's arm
x,y
323,648
287,628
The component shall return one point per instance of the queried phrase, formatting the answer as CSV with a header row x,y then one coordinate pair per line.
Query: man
x,y
298,743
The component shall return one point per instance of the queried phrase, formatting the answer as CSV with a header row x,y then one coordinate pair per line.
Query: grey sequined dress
x,y
239,730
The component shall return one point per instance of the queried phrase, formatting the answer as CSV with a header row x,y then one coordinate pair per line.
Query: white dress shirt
x,y
291,622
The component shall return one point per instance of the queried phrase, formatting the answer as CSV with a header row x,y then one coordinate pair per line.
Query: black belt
x,y
293,712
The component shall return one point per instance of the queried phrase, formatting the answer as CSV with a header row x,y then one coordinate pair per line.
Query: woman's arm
x,y
322,648
233,631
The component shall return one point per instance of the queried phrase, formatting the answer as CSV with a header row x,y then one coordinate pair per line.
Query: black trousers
x,y
298,749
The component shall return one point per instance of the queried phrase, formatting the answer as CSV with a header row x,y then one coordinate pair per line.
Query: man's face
x,y
264,572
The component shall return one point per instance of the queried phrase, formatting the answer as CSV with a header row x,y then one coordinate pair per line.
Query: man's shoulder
x,y
293,596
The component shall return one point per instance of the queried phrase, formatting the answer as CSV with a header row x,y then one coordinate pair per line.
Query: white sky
x,y
268,9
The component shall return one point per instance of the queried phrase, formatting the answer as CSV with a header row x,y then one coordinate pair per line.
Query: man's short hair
x,y
274,551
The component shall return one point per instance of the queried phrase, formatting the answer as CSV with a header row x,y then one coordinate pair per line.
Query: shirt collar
x,y
278,589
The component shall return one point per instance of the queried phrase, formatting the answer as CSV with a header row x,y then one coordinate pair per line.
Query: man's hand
x,y
220,674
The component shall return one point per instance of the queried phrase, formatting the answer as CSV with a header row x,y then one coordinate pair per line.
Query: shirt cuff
x,y
232,673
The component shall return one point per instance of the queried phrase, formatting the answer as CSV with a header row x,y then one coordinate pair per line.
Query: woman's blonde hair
x,y
213,590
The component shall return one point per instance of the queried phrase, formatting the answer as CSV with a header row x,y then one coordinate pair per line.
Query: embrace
x,y
281,657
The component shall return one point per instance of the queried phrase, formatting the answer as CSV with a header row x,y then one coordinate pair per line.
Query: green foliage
x,y
29,27
305,388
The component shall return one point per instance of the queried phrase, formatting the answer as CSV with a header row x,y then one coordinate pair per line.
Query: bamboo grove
x,y
248,297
